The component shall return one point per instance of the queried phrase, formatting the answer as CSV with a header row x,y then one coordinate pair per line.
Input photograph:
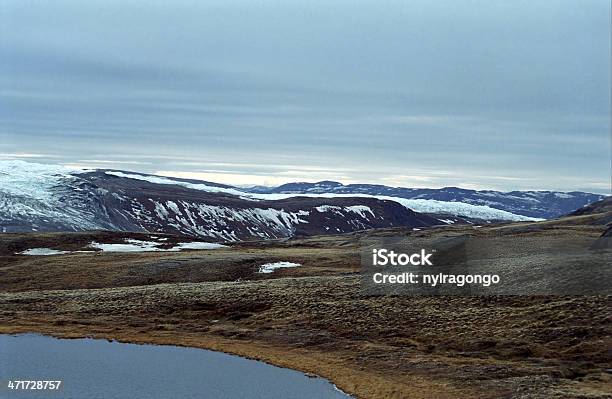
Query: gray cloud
x,y
511,95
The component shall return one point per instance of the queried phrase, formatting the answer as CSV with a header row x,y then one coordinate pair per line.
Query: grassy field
x,y
315,318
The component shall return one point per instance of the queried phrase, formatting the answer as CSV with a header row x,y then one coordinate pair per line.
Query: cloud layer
x,y
506,95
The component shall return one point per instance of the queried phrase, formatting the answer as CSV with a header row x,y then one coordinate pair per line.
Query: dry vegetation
x,y
315,318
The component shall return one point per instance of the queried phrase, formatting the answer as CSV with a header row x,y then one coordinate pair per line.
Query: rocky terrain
x,y
316,318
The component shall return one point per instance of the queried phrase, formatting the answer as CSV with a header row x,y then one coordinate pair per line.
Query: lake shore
x,y
87,368
363,354
337,365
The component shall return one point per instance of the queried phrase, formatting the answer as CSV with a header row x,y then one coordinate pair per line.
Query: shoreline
x,y
58,335
342,378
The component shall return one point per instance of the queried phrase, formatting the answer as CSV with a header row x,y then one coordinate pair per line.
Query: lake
x,y
90,368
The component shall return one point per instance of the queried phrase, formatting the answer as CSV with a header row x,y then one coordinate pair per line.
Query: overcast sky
x,y
479,94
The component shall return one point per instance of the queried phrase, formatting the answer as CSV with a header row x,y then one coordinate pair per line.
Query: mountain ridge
x,y
38,197
539,204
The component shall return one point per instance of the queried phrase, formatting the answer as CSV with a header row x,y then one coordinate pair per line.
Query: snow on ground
x,y
42,252
271,267
149,246
129,246
214,221
197,245
361,210
328,208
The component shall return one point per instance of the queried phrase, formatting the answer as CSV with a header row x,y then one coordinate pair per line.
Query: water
x,y
91,369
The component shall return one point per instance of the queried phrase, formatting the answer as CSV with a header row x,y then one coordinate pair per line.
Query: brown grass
x,y
315,318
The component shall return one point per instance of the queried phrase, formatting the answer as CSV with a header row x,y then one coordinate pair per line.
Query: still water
x,y
91,369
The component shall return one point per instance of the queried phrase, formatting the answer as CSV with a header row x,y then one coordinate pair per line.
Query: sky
x,y
506,95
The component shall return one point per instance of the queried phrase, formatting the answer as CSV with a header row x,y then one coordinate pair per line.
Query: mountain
x,y
35,197
599,212
602,206
536,204
449,211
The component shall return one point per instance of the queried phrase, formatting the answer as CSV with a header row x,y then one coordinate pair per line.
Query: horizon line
x,y
220,178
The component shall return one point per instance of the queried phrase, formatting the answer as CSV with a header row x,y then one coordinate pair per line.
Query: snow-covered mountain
x,y
443,208
36,197
536,204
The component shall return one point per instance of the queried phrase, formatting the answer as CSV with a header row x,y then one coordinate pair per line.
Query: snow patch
x,y
43,252
197,245
361,210
328,208
130,246
271,267
149,246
